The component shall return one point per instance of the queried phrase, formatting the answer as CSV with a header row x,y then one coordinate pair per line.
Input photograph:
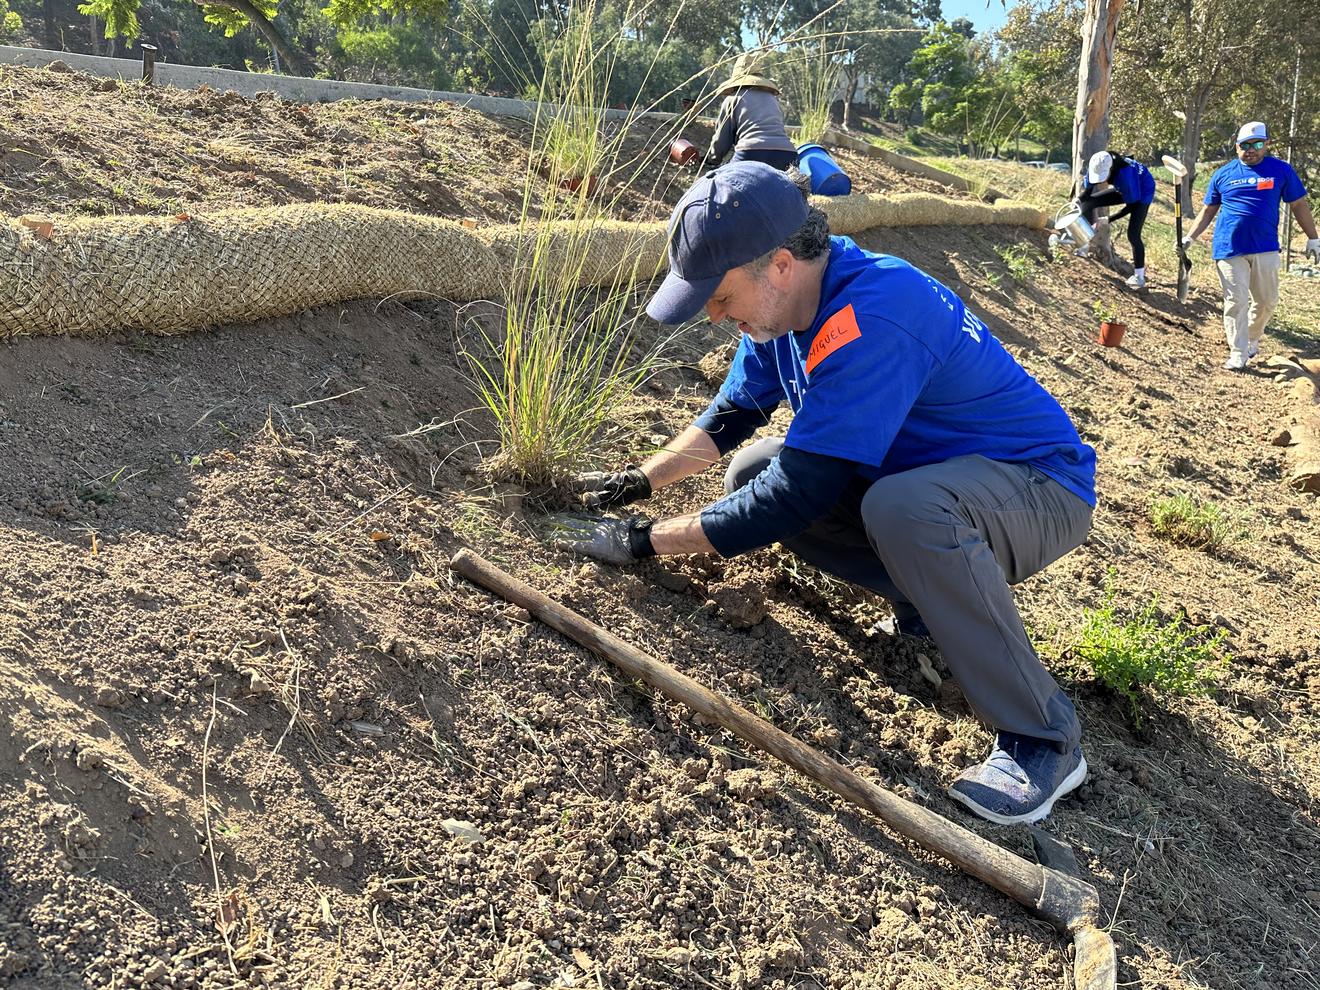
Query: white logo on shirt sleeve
x,y
972,326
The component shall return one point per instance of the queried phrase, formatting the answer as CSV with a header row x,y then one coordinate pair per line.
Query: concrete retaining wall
x,y
293,88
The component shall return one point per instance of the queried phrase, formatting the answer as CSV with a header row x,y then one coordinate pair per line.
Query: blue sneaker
x,y
1020,780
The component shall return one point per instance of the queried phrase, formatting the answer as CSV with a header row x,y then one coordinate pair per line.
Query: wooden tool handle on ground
x,y
1020,879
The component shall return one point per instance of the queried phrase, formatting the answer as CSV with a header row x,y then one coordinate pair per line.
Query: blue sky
x,y
983,17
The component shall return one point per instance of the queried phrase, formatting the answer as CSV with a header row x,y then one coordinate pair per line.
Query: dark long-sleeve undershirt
x,y
795,489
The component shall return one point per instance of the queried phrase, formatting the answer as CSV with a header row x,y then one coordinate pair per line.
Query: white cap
x,y
1252,131
1097,169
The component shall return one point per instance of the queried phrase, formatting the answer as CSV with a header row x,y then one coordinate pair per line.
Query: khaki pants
x,y
1251,291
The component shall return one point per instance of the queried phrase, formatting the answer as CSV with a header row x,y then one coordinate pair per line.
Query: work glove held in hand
x,y
1188,241
606,490
1313,249
611,541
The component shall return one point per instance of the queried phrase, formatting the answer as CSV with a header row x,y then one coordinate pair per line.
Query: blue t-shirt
x,y
1248,197
895,373
1133,182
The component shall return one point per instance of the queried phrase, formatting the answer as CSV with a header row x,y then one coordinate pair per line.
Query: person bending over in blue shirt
x,y
1245,195
922,461
1128,182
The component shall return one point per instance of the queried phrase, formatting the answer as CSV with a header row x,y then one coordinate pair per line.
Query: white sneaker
x,y
1236,362
1137,281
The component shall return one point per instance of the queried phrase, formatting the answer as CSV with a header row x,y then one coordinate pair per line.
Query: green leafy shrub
x,y
1182,519
1019,259
1142,652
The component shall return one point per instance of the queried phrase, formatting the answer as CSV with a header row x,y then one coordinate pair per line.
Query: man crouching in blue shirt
x,y
922,461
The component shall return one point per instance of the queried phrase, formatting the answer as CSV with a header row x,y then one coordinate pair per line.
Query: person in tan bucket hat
x,y
750,121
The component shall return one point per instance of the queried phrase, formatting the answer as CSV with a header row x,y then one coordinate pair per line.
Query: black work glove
x,y
612,541
607,490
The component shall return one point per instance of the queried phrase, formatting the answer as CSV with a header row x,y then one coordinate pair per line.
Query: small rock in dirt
x,y
1282,439
463,830
346,859
88,759
672,581
715,365
743,607
751,784
12,963
784,955
108,85
516,613
109,697
928,670
678,956
1313,896
157,971
59,65
257,685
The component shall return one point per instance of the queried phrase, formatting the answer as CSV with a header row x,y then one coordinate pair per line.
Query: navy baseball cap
x,y
729,217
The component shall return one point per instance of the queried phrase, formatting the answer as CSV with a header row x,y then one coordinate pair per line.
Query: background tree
x,y
1180,63
1039,48
1091,115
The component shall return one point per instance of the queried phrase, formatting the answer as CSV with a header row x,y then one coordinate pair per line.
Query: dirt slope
x,y
242,697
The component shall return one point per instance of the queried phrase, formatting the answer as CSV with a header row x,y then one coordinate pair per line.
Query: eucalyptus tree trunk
x,y
851,78
1091,118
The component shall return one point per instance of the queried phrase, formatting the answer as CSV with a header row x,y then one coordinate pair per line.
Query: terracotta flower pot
x,y
682,151
1111,334
574,183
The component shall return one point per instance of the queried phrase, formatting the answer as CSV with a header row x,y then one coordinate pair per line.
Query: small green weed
x,y
1142,652
104,490
1020,260
1182,519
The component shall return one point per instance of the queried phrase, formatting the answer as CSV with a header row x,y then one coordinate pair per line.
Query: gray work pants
x,y
947,540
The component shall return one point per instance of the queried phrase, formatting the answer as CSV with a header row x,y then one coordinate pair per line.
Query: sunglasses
x,y
1251,145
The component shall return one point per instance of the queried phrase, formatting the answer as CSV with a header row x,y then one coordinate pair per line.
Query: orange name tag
x,y
839,329
1264,183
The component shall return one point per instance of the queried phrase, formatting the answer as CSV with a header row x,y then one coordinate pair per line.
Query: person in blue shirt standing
x,y
922,461
1245,195
1129,182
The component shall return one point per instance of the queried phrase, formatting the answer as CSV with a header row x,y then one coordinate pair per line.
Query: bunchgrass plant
x,y
1139,652
564,357
1184,520
811,77
568,348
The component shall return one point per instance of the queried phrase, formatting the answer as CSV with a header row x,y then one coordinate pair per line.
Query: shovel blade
x,y
1184,278
1095,961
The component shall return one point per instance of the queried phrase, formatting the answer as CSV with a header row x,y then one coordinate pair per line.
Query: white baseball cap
x,y
1252,131
1097,169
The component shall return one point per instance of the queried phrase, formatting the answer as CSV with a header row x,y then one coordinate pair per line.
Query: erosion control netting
x,y
169,275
